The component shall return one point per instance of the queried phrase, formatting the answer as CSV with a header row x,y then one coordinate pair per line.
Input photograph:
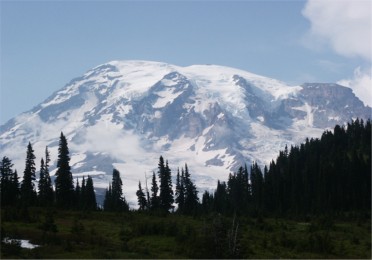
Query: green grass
x,y
136,235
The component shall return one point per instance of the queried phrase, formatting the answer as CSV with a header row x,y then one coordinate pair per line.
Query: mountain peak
x,y
125,114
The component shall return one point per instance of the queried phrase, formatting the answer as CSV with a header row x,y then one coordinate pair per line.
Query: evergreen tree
x,y
9,183
28,192
191,193
207,202
46,195
257,186
114,199
220,202
237,186
155,204
89,202
15,192
107,202
83,193
142,202
180,191
64,181
41,184
166,192
49,193
78,196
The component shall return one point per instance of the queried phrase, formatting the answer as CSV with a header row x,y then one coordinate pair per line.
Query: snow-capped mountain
x,y
125,114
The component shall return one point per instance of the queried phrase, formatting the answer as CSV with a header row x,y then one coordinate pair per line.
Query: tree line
x,y
65,195
329,174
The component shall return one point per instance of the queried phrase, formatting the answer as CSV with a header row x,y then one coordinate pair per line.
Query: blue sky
x,y
44,44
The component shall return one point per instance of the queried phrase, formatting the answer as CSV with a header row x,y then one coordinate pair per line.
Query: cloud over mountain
x,y
125,114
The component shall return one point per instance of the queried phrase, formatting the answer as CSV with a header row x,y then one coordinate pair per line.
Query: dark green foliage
x,y
114,199
49,224
28,192
166,192
207,202
327,175
191,202
77,230
89,197
107,202
330,174
221,202
186,193
72,234
46,193
257,184
9,183
64,182
78,194
155,200
142,202
180,190
239,194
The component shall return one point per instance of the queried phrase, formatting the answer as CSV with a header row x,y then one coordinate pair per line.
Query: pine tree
x,y
89,202
237,191
28,192
207,202
114,199
78,196
107,202
191,193
220,198
41,184
9,183
142,202
257,186
180,191
46,194
155,204
15,192
64,182
166,192
49,193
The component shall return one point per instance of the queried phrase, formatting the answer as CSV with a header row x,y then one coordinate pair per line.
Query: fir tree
x,y
107,202
220,202
142,202
180,191
15,192
114,200
41,184
89,202
83,193
191,193
28,192
78,196
257,185
207,202
64,182
166,192
154,193
9,183
49,193
45,184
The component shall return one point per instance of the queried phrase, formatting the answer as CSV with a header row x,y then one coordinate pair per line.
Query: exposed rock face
x,y
126,114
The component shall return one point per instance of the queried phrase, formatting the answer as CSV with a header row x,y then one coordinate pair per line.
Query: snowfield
x,y
125,114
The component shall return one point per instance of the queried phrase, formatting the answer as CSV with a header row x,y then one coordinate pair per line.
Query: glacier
x,y
125,114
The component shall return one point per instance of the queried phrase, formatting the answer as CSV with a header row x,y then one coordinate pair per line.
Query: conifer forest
x,y
312,201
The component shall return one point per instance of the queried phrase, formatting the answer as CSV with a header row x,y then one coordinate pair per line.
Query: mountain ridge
x,y
215,118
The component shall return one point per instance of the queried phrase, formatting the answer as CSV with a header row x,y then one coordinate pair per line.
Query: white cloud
x,y
345,25
98,138
361,84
